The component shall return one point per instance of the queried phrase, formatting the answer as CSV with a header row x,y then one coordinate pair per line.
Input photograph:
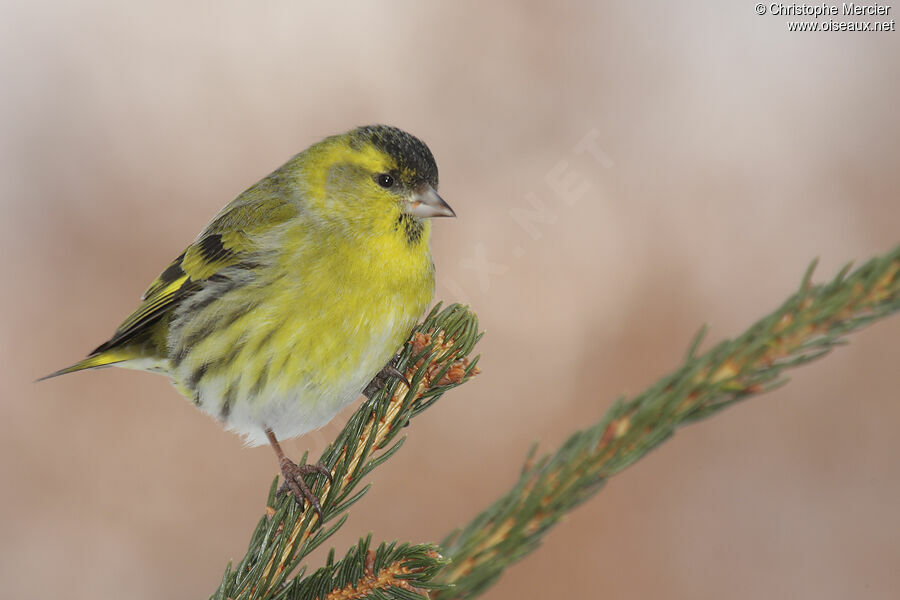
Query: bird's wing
x,y
228,240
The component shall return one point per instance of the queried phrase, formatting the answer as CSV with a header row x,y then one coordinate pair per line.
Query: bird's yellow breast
x,y
353,309
293,344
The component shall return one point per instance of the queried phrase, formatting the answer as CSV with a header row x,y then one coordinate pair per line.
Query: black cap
x,y
409,151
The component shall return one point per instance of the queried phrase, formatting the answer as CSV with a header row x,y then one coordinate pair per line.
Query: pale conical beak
x,y
425,203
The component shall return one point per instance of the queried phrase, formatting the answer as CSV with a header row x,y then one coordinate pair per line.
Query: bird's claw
x,y
293,475
379,381
390,369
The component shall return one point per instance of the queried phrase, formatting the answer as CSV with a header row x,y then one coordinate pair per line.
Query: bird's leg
x,y
293,476
379,381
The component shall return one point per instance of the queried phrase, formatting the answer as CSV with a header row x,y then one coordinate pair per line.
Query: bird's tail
x,y
94,361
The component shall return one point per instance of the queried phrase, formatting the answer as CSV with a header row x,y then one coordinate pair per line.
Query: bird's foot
x,y
293,475
379,381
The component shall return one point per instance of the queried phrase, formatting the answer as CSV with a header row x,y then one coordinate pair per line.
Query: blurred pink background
x,y
733,153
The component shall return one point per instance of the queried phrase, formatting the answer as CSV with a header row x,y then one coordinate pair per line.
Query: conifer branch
x,y
390,572
806,327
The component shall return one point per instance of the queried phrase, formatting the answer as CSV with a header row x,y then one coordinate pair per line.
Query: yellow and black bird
x,y
296,294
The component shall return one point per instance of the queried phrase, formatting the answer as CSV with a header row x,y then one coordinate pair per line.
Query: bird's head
x,y
375,177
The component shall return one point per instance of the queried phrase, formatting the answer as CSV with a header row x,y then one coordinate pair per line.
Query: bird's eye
x,y
384,180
